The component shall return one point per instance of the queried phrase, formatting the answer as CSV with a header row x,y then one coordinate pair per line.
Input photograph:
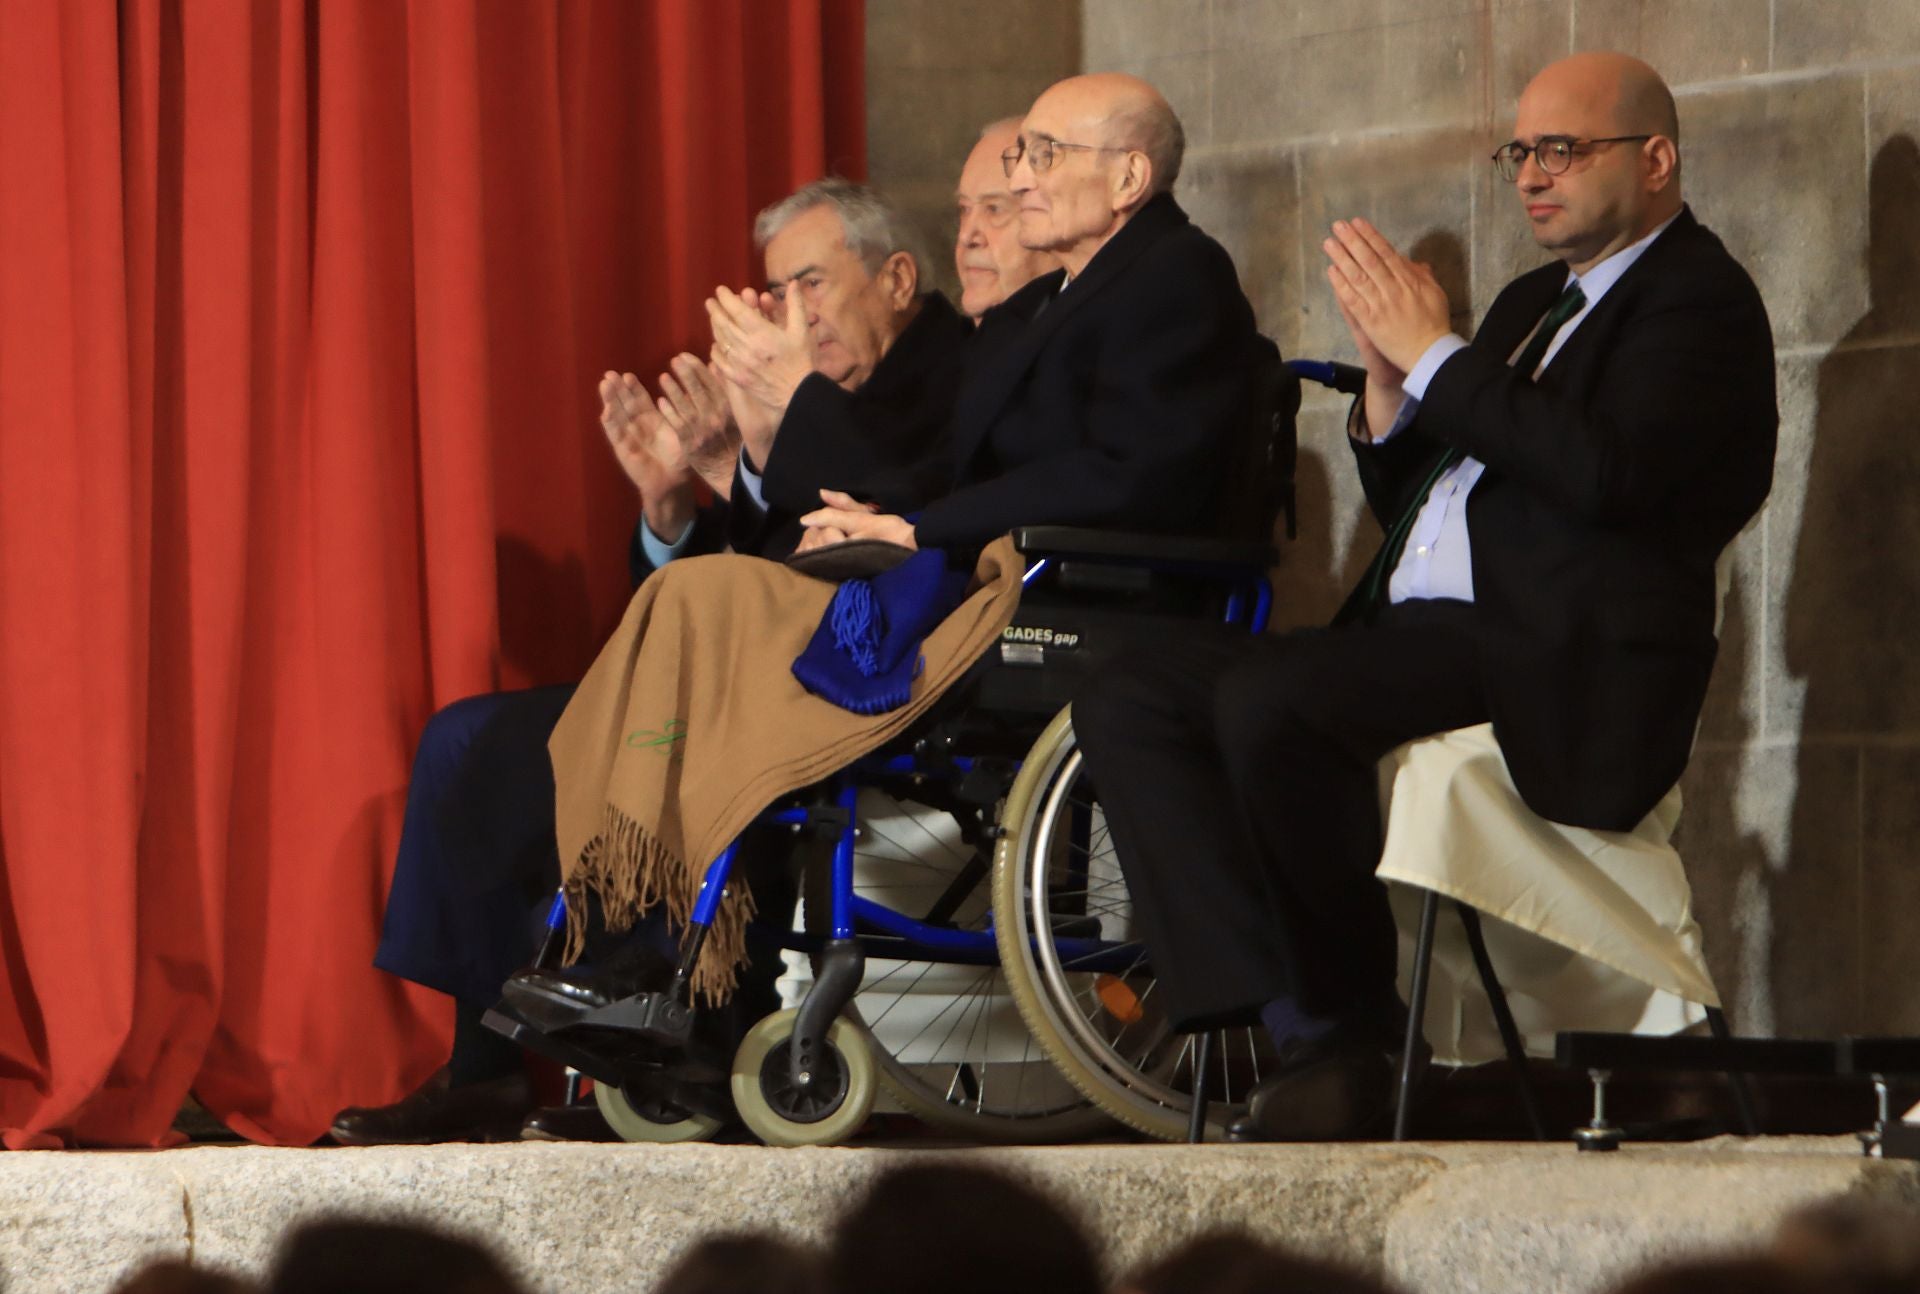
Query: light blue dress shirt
x,y
1437,561
658,550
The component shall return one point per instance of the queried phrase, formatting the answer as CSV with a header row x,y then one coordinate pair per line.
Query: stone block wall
x,y
1799,123
939,70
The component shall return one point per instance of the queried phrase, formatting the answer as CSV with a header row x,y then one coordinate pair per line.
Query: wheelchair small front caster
x,y
825,1108
1598,1135
650,1119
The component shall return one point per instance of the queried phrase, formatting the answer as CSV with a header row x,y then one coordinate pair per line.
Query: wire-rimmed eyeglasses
x,y
1555,153
1042,153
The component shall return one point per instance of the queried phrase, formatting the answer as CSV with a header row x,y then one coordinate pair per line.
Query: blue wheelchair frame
x,y
1246,606
856,925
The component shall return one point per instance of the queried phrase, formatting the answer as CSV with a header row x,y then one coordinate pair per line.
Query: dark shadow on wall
x,y
1853,602
1727,867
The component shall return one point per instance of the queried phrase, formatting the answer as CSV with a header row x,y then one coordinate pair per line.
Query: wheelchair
x,y
965,945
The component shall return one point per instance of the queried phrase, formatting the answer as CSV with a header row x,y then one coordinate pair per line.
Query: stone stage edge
x,y
1437,1217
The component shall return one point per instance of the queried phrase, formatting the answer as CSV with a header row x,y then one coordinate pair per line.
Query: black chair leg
x,y
1503,1017
1416,1014
1742,1094
1202,1061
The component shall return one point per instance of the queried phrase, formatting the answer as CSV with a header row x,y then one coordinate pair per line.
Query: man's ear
x,y
1132,181
1661,157
900,275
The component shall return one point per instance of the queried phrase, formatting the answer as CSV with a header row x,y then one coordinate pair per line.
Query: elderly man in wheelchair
x,y
1107,410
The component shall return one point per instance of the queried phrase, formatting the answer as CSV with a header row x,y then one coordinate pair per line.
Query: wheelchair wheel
x,y
829,1112
950,1044
652,1121
1073,960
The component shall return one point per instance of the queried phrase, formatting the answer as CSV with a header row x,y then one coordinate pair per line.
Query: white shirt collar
x,y
1595,282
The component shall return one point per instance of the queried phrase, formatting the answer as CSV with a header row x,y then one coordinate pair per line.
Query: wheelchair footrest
x,y
656,1017
505,1022
692,1077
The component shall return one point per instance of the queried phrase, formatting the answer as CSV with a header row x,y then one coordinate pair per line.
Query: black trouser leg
x,y
1242,793
1199,897
479,1054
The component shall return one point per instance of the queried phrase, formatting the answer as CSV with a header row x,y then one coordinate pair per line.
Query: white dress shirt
x,y
1437,561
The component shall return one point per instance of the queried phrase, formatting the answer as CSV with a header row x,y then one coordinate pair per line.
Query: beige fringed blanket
x,y
690,723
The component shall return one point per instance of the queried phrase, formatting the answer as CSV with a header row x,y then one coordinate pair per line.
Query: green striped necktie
x,y
1375,582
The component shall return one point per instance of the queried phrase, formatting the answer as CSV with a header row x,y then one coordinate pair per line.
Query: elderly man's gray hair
x,y
874,227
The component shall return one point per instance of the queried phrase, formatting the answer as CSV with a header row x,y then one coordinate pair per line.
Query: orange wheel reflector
x,y
1121,1002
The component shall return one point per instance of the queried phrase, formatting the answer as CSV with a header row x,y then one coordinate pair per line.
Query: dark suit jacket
x,y
885,441
1118,402
896,419
1611,487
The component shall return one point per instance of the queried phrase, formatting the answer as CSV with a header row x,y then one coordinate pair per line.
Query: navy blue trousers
x,y
477,866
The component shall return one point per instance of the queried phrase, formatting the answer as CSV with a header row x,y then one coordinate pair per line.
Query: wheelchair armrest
x,y
1127,548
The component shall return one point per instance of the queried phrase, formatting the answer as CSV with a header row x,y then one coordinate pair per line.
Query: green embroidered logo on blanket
x,y
661,742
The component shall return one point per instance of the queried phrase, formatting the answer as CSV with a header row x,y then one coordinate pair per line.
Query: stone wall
x,y
939,70
1799,122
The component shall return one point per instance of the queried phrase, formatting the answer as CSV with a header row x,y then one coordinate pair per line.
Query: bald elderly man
x,y
987,252
1555,493
1113,391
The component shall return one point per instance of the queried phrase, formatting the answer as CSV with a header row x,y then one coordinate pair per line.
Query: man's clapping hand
x,y
764,351
649,452
1393,307
693,401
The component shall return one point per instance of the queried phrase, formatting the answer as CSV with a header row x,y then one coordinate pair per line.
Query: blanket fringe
x,y
630,872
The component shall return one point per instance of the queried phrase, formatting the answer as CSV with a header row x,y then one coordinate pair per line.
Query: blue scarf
x,y
866,652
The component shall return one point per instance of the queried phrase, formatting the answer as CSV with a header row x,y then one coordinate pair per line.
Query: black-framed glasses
x,y
1555,153
1042,153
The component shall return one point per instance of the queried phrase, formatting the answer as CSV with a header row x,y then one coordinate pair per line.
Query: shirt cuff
x,y
658,550
755,483
1429,363
1408,407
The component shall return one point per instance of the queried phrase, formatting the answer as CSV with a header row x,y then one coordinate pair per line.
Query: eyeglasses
x,y
1042,153
1555,153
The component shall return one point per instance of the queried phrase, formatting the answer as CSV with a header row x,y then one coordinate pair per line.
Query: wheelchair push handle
x,y
1349,379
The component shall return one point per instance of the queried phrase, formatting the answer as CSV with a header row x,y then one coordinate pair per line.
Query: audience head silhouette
x,y
952,1228
742,1262
384,1258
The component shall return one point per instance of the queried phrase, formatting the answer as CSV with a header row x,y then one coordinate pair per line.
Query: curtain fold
x,y
302,307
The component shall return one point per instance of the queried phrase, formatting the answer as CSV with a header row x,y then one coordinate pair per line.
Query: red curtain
x,y
302,306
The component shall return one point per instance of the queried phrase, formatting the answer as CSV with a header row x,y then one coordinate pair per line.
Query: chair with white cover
x,y
1591,930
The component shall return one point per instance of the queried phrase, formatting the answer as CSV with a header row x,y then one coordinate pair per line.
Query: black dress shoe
x,y
582,1122
437,1111
1336,1088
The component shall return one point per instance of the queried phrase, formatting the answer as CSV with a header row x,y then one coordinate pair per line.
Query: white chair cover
x,y
1586,929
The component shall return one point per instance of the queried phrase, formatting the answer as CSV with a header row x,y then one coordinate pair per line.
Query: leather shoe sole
x,y
436,1112
582,1122
1338,1093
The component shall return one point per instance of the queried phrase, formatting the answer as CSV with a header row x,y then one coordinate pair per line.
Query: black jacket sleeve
x,y
1166,396
709,536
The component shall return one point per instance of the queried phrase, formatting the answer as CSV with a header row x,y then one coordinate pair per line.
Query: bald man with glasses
x,y
1115,391
1555,494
